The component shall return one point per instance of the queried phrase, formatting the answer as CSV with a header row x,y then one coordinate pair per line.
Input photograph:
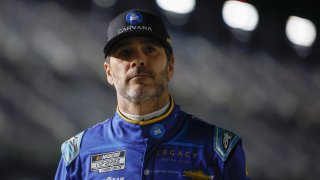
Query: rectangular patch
x,y
109,161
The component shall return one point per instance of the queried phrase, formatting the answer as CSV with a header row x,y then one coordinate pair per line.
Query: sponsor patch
x,y
71,148
133,28
226,139
113,178
224,142
197,175
157,131
110,161
148,172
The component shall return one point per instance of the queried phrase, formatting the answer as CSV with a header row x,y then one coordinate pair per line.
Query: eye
x,y
149,49
125,53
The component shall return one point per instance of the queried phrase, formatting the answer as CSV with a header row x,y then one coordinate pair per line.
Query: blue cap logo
x,y
133,17
157,131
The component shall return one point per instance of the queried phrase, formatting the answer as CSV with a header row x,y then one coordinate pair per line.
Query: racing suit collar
x,y
156,129
148,116
153,120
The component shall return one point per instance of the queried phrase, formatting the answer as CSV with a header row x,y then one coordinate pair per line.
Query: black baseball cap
x,y
136,22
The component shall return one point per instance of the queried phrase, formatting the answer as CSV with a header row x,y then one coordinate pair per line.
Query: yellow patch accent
x,y
151,120
197,175
247,172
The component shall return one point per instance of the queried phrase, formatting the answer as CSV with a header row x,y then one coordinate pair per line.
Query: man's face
x,y
139,69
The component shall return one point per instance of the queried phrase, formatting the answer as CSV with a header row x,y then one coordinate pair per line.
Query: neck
x,y
144,107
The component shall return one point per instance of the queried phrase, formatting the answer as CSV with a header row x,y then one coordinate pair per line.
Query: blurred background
x,y
249,66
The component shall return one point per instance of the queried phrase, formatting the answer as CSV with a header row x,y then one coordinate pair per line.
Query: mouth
x,y
140,76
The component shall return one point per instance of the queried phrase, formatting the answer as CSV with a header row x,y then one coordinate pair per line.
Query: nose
x,y
139,60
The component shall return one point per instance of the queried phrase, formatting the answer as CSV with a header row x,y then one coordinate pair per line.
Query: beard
x,y
142,92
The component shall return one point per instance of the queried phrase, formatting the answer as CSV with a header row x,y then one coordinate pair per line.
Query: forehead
x,y
136,40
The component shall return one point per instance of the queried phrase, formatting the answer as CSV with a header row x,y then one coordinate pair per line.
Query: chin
x,y
142,94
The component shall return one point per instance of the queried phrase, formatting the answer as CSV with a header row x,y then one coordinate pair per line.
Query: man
x,y
149,137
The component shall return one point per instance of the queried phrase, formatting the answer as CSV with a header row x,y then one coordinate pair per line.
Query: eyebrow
x,y
128,43
152,41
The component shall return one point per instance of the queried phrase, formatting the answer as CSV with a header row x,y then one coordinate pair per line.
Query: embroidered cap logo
x,y
133,18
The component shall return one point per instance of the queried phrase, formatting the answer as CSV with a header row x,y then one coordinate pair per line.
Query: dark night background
x,y
52,82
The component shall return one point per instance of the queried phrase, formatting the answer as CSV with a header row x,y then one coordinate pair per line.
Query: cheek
x,y
119,70
118,75
160,64
159,69
163,71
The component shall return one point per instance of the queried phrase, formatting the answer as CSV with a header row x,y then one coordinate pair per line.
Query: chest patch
x,y
157,131
109,161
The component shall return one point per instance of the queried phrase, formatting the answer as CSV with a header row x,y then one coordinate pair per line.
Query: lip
x,y
140,76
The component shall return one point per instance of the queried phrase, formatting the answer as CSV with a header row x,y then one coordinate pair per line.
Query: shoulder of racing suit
x,y
224,141
70,149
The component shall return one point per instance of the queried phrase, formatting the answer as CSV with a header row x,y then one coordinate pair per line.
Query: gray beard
x,y
138,96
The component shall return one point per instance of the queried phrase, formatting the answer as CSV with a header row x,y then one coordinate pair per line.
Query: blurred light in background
x,y
177,11
57,53
240,15
14,48
104,3
300,31
177,6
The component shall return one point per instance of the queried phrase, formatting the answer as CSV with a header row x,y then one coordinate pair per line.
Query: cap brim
x,y
108,47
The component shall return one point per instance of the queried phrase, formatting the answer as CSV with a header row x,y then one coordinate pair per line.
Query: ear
x,y
170,67
107,68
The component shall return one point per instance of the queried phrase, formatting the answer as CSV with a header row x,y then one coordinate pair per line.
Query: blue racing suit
x,y
174,146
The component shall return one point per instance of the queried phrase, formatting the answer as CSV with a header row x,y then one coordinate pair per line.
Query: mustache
x,y
139,70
